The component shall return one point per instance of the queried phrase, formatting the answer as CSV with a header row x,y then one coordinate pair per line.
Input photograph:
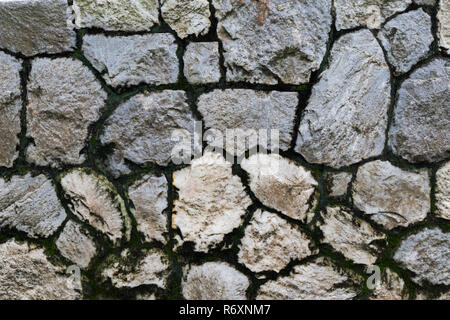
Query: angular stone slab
x,y
443,17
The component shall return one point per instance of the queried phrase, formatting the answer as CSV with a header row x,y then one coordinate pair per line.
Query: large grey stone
x,y
443,17
443,191
201,62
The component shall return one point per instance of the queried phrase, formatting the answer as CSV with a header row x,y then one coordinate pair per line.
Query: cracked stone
x,y
390,287
419,132
391,196
346,118
443,17
443,191
281,184
132,60
337,184
64,99
30,204
201,62
271,41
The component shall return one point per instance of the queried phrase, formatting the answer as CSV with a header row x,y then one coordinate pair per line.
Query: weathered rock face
x,y
425,295
337,184
26,274
244,113
390,287
391,196
268,41
211,201
201,62
95,200
10,105
270,243
36,26
131,60
346,118
117,15
368,13
29,204
64,99
76,245
427,255
407,39
214,281
149,196
425,2
141,128
443,17
421,116
353,237
443,191
281,184
318,280
186,17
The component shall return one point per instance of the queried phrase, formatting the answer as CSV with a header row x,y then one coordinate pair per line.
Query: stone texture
x,y
214,281
27,274
211,201
318,280
31,27
424,295
407,39
356,239
116,15
149,196
132,60
421,116
346,118
271,41
29,204
186,17
443,17
425,2
246,112
391,196
426,254
64,99
270,243
76,245
367,13
95,200
10,106
390,287
281,184
201,62
442,193
337,184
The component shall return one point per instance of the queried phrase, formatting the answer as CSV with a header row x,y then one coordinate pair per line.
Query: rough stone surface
x,y
116,15
390,287
64,99
356,239
407,39
281,184
443,17
425,2
211,201
27,274
186,17
424,295
268,41
149,196
201,62
270,243
318,280
346,118
426,254
131,60
391,196
29,204
76,245
443,191
214,281
420,130
95,200
337,184
10,106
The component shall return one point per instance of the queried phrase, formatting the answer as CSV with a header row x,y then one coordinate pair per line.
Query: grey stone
x,y
426,295
443,191
425,2
443,17
389,287
337,184
201,62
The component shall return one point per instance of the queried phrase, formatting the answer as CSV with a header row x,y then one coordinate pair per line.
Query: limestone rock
x,y
30,204
214,281
131,60
338,184
391,196
146,296
390,287
443,17
211,201
201,62
271,41
424,295
346,118
443,191
281,184
425,2
427,255
421,116
64,99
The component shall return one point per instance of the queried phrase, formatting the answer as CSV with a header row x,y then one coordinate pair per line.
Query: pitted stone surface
x,y
420,130
268,41
443,17
390,287
201,62
337,184
29,204
131,60
443,191
346,118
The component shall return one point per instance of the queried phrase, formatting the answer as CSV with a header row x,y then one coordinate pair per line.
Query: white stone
x,y
338,184
389,287
201,62
443,191
443,17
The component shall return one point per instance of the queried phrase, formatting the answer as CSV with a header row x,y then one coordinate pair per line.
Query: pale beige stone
x,y
338,183
443,17
443,191
390,287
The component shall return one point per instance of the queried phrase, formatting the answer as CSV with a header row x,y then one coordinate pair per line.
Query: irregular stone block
x,y
337,184
390,287
425,2
443,191
443,17
201,62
